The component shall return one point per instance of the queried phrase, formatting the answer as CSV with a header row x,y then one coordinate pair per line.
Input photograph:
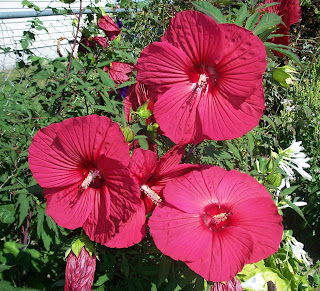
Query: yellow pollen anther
x,y
89,179
156,199
220,217
202,80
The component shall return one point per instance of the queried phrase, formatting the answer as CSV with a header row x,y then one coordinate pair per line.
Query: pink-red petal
x,y
68,207
198,35
130,232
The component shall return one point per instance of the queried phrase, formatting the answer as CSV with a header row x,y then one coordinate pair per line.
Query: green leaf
x,y
164,269
252,20
106,79
284,50
143,143
250,143
125,265
295,208
47,240
76,65
7,213
268,20
234,151
208,9
241,15
270,121
288,191
101,280
23,206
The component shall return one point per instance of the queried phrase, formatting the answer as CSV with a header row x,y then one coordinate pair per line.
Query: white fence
x,y
14,21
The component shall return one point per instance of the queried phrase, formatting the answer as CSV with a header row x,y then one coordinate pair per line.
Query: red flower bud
x,y
80,271
231,285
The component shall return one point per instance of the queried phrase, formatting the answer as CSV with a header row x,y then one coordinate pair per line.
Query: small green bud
x,y
75,22
274,179
128,133
271,165
283,75
143,111
117,39
67,1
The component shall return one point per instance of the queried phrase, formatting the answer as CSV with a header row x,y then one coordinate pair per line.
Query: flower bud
x,y
80,271
283,75
274,179
128,133
143,111
271,165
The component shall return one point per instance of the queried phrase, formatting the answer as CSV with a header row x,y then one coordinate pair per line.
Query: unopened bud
x,y
271,165
274,179
143,111
80,271
284,75
128,133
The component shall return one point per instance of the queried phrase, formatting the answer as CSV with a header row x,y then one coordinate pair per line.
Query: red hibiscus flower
x,y
205,79
92,42
80,270
216,221
82,165
119,72
152,176
290,12
231,285
109,27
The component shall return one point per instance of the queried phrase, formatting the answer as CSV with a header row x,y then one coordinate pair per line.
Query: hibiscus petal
x,y
130,232
161,65
123,189
68,207
176,111
142,164
225,255
195,191
177,234
225,118
85,138
198,35
259,217
99,226
51,167
243,64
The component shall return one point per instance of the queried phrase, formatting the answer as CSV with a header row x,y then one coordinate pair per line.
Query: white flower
x,y
256,283
293,158
298,251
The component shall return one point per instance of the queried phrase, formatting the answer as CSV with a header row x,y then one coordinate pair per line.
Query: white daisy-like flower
x,y
293,158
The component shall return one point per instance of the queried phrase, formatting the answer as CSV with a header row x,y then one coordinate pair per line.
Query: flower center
x,y
93,179
153,196
204,77
216,217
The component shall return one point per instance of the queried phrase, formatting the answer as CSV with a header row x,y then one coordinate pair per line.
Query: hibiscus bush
x,y
175,148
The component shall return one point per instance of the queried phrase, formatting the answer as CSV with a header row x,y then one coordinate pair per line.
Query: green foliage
x,y
41,92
